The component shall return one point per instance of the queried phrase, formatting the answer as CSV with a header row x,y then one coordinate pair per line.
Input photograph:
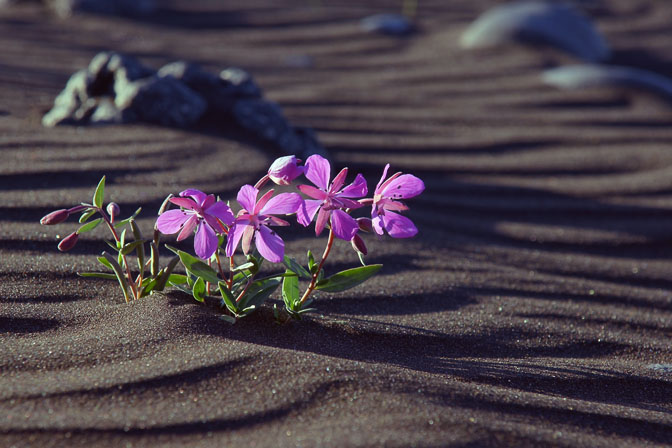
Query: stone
x,y
159,100
65,8
557,24
73,96
390,24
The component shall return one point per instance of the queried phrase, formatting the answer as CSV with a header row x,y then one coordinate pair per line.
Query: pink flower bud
x,y
55,217
68,242
113,210
365,224
284,170
358,244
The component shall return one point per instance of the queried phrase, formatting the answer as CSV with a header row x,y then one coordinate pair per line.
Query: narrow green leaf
x,y
130,247
228,319
198,291
311,262
166,273
295,267
123,282
177,278
140,250
228,298
348,279
105,263
290,290
197,267
89,226
105,275
244,266
182,288
258,293
86,214
123,222
148,287
112,244
154,265
99,194
122,239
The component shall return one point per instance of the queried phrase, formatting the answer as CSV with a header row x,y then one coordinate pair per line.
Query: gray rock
x,y
239,81
159,100
66,104
588,76
390,24
557,24
106,112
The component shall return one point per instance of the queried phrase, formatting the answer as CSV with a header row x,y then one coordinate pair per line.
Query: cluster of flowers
x,y
328,203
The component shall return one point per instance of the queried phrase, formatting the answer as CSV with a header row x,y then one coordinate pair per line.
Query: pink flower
x,y
198,211
284,170
398,186
330,199
68,242
253,220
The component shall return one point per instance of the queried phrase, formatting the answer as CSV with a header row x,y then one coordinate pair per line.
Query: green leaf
x,y
148,287
258,293
244,266
228,319
348,279
166,273
311,262
295,267
123,222
196,266
198,291
228,298
140,250
182,288
112,244
105,275
122,239
88,213
290,290
177,278
154,265
130,247
89,226
123,282
105,263
99,194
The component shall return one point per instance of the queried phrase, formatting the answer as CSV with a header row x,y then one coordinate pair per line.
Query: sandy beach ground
x,y
534,308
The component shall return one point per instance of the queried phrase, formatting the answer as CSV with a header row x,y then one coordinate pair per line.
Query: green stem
x,y
313,281
131,282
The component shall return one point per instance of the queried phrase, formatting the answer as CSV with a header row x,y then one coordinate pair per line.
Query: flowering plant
x,y
218,233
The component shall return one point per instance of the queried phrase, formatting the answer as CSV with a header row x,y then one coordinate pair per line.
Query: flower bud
x,y
55,217
113,210
68,242
284,170
365,224
358,244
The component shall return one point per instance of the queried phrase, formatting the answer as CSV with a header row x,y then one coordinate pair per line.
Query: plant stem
x,y
313,281
131,282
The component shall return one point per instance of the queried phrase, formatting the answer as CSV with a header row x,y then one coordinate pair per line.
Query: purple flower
x,y
199,211
55,217
398,186
253,220
330,199
68,242
284,170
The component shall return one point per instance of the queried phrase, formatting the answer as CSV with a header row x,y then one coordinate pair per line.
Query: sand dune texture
x,y
534,308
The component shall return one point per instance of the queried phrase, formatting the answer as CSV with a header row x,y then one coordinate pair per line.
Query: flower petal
x,y
356,189
171,221
322,218
197,195
220,211
399,226
188,228
404,186
306,214
378,224
247,197
344,226
283,204
275,221
270,245
205,241
311,191
382,178
338,181
247,239
262,201
318,171
187,203
235,234
208,201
